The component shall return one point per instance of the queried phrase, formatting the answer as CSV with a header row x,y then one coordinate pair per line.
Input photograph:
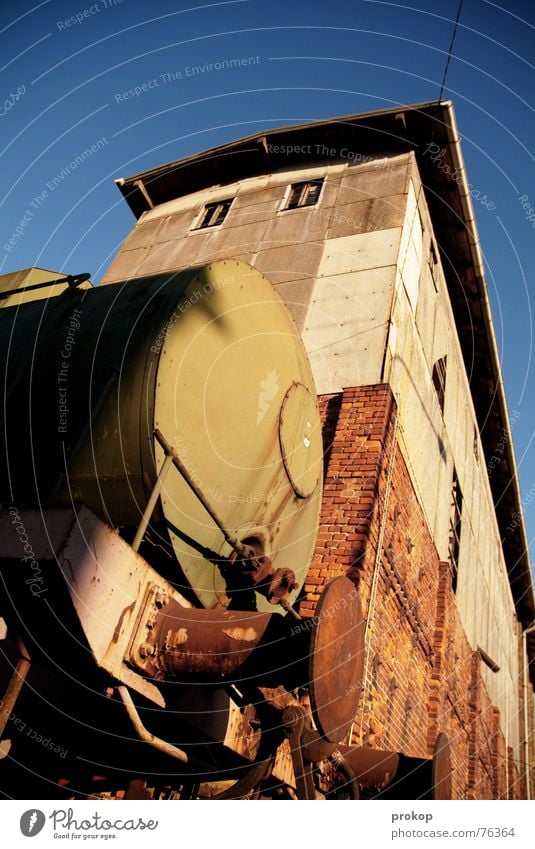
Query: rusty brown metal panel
x,y
373,769
385,178
286,263
366,216
336,659
442,769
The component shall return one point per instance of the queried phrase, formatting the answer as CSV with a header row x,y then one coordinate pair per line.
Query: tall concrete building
x,y
365,225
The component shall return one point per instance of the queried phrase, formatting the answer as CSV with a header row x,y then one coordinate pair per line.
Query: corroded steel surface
x,y
373,768
393,775
336,659
180,641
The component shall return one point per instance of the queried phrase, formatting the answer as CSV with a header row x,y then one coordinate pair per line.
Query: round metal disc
x,y
442,773
336,659
300,439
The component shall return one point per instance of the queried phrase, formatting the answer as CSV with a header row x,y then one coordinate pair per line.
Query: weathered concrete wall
x,y
334,263
435,443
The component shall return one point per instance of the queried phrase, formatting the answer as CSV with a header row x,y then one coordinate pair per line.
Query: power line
x,y
451,49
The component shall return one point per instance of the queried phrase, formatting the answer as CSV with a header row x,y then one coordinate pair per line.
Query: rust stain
x,y
176,638
246,635
120,623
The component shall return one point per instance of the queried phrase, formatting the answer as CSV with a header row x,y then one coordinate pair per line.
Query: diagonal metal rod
x,y
72,279
15,685
144,734
240,549
151,503
237,546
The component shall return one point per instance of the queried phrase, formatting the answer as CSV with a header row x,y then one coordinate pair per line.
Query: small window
x,y
432,262
304,194
454,542
214,214
439,381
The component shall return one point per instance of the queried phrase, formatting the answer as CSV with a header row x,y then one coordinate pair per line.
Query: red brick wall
x,y
421,676
451,678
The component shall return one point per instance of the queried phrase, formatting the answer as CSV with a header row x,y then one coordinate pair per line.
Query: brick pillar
x,y
372,529
499,758
436,689
473,709
354,431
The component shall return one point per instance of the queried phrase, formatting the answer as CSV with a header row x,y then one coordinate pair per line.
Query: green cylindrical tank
x,y
210,357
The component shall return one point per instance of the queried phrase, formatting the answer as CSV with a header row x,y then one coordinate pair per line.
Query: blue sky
x,y
67,66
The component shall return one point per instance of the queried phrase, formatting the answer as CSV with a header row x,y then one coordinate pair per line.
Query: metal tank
x,y
212,360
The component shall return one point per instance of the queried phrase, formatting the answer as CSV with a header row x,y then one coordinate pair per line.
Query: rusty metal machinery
x,y
393,775
160,469
167,667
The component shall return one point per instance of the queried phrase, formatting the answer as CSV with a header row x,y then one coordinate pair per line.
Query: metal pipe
x,y
351,779
144,734
289,609
151,503
72,279
15,685
245,784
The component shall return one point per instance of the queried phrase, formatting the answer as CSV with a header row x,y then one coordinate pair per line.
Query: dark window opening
x,y
454,542
214,214
476,444
439,381
433,263
304,194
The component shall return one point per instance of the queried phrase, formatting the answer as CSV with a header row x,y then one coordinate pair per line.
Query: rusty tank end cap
x,y
336,659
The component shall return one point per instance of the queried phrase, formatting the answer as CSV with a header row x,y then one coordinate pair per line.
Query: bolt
x,y
146,650
161,599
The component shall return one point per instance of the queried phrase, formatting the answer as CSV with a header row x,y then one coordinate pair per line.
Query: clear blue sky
x,y
62,91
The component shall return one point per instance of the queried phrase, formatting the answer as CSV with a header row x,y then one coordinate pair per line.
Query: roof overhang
x,y
411,128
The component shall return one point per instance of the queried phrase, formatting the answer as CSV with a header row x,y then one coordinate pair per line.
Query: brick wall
x,y
421,675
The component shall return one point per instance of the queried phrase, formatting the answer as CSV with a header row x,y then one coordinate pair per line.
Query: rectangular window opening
x,y
454,542
214,214
304,194
439,381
